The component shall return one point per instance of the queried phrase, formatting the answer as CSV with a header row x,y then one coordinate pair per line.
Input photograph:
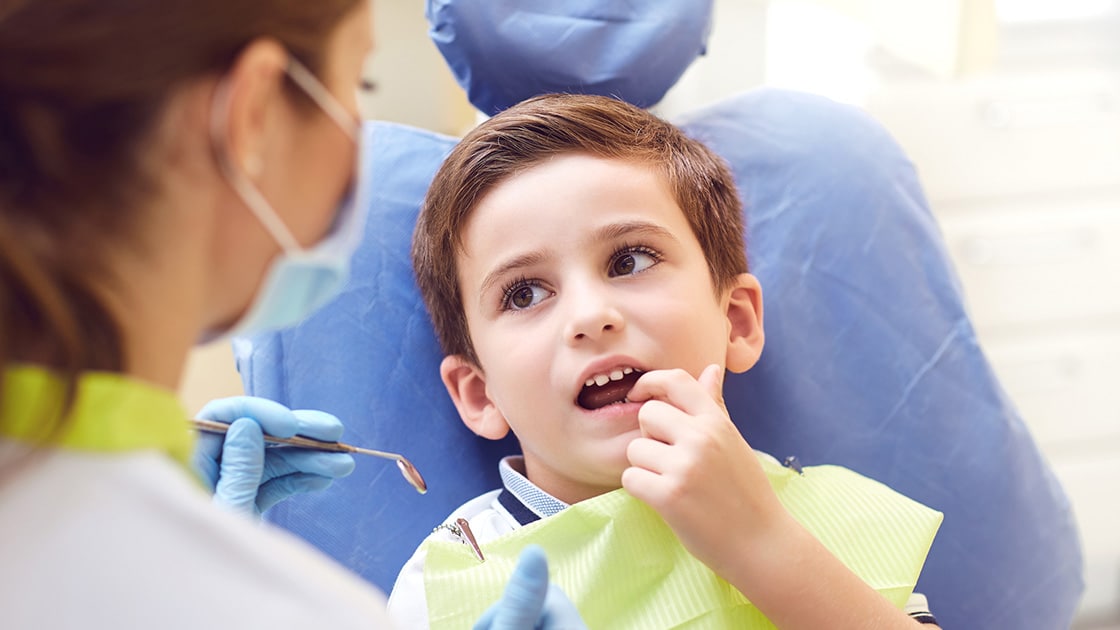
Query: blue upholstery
x,y
870,362
505,51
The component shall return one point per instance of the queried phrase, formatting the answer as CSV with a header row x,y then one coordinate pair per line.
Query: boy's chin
x,y
607,484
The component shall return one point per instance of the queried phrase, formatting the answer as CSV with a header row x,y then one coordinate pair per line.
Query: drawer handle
x,y
1041,375
982,251
1002,114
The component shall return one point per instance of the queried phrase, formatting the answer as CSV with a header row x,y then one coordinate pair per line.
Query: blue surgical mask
x,y
299,279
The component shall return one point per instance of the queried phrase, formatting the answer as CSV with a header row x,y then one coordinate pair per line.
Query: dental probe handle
x,y
410,473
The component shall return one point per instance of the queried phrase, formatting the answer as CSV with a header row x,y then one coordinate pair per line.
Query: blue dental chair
x,y
871,361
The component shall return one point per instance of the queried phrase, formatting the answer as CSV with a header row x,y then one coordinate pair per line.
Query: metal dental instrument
x,y
408,471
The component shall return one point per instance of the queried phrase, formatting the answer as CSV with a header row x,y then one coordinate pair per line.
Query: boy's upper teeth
x,y
614,375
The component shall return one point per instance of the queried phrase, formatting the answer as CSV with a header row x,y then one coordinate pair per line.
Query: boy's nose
x,y
592,315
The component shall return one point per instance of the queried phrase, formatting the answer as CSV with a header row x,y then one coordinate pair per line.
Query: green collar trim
x,y
112,413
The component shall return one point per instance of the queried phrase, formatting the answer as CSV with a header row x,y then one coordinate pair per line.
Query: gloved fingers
x,y
280,488
283,460
522,603
318,425
559,612
486,621
241,467
529,601
204,459
276,419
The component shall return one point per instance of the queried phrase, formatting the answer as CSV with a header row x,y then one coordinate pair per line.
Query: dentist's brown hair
x,y
83,86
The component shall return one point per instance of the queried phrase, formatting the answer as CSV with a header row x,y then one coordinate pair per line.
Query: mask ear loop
x,y
322,97
258,205
314,88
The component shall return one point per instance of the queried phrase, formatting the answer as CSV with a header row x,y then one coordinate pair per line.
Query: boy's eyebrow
x,y
524,260
627,228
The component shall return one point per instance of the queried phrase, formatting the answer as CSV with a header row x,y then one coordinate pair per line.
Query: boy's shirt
x,y
517,503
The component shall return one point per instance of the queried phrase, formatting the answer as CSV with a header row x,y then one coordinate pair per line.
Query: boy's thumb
x,y
712,380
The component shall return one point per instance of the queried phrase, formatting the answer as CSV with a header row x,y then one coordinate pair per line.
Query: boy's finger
x,y
661,421
675,387
646,486
712,380
648,454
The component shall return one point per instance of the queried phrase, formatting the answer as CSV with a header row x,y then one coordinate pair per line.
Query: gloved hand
x,y
530,602
249,478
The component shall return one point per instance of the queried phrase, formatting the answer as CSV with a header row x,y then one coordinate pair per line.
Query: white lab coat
x,y
131,541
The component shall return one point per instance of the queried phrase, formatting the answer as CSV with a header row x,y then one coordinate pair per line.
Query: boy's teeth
x,y
615,375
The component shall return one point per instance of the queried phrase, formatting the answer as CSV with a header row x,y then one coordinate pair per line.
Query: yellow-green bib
x,y
111,414
625,569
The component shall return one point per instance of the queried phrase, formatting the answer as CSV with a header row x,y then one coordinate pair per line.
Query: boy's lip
x,y
605,366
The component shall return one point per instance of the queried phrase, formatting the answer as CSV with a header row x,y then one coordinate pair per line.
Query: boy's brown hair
x,y
546,126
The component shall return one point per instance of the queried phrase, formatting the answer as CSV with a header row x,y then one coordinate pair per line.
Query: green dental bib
x,y
624,568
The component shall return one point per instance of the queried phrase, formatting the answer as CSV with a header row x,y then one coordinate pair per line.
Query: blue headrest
x,y
504,51
870,362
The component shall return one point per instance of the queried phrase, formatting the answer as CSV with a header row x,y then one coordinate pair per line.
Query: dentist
x,y
172,172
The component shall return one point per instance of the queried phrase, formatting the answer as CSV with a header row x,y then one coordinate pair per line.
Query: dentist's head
x,y
171,171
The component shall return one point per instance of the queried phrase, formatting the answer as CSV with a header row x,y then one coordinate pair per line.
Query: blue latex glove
x,y
245,476
530,601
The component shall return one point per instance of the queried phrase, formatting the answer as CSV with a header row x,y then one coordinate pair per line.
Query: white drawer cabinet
x,y
1066,385
1010,134
1037,261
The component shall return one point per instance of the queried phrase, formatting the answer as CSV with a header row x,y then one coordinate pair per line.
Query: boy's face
x,y
578,270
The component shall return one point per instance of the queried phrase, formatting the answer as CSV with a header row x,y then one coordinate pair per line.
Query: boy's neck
x,y
565,493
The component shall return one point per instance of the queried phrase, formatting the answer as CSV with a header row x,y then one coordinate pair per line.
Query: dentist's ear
x,y
744,318
253,84
466,384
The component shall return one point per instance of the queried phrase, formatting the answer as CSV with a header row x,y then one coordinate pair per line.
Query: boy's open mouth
x,y
608,389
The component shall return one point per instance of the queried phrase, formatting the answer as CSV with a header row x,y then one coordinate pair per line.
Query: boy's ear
x,y
744,317
466,384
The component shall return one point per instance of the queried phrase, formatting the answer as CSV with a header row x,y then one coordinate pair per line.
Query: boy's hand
x,y
693,467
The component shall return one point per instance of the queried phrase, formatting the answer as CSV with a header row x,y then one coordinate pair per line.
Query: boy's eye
x,y
632,261
522,296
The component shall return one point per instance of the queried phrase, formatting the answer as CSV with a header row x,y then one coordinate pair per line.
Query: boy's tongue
x,y
597,396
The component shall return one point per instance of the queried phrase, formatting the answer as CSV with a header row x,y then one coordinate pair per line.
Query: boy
x,y
583,265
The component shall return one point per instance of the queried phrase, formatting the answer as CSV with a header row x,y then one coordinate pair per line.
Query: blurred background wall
x,y
1010,109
